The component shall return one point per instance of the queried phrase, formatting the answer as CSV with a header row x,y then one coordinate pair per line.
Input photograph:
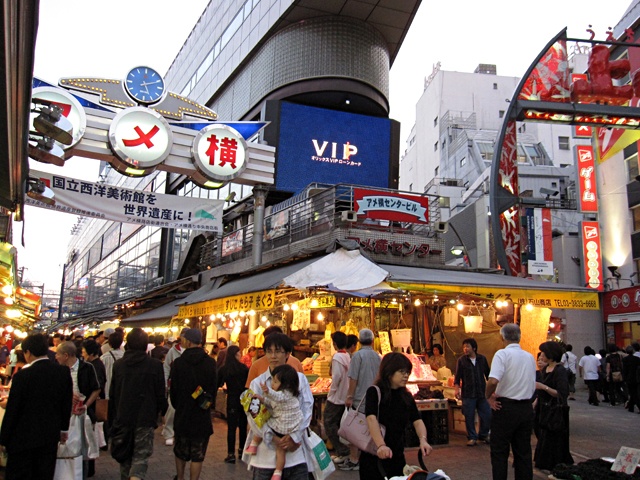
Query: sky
x,y
106,39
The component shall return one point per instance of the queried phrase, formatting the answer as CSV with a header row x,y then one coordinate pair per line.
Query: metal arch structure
x,y
557,101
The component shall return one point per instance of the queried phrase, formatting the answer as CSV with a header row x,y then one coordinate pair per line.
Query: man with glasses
x,y
261,364
278,348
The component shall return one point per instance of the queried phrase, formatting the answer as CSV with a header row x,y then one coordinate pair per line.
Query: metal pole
x,y
259,197
64,272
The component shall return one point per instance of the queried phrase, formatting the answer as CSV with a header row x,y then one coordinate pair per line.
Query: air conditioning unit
x,y
349,216
442,227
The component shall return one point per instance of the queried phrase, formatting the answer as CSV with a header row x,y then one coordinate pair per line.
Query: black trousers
x,y
511,429
634,400
236,419
593,396
32,464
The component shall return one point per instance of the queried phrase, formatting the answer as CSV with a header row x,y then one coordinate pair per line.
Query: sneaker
x,y
472,443
231,458
338,460
169,442
349,465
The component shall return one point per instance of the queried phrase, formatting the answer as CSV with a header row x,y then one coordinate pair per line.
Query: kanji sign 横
x,y
219,152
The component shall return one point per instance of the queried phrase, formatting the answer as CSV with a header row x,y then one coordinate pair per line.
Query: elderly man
x,y
510,389
38,413
278,348
86,386
363,370
136,398
191,372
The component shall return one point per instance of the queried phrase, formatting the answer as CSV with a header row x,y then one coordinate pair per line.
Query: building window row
x,y
224,39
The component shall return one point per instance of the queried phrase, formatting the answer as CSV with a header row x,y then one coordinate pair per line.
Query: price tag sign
x,y
626,461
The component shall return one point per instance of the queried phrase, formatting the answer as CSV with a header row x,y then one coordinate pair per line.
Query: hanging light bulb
x,y
242,313
263,318
529,307
417,302
251,313
286,307
294,306
187,321
7,290
460,307
320,317
452,301
314,302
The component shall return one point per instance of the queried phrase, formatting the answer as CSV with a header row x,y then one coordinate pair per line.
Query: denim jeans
x,y
297,472
469,407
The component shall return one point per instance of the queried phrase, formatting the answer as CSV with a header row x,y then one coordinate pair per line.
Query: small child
x,y
286,415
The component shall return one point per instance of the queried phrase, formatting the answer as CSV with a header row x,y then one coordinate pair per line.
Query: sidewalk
x,y
595,432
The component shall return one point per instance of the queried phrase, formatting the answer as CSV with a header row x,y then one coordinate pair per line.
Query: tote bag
x,y
354,428
319,455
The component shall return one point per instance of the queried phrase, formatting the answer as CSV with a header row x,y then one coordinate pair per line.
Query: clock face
x,y
144,84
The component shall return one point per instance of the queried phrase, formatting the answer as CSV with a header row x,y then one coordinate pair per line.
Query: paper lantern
x,y
473,323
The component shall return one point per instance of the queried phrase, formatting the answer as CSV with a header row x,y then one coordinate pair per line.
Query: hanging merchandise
x,y
450,315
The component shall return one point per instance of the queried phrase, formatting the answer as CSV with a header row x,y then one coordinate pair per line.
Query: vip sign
x,y
346,152
141,139
219,153
587,178
592,255
71,109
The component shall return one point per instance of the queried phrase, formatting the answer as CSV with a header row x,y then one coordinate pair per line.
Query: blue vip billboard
x,y
316,145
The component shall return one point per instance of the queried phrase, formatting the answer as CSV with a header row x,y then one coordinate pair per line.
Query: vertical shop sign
x,y
581,131
592,255
586,178
540,246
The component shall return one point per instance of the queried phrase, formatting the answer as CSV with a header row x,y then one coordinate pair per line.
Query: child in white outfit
x,y
286,415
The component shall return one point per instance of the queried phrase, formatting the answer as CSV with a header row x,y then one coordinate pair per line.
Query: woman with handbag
x,y
394,408
552,411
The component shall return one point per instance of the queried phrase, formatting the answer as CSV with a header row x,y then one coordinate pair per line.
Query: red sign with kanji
x,y
587,178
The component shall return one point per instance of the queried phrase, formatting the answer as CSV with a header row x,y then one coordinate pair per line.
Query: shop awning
x,y
157,317
492,287
343,270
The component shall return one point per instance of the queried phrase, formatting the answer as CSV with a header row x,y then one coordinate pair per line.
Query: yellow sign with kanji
x,y
537,298
263,300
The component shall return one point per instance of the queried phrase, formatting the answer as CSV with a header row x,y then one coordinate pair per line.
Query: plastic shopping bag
x,y
68,469
73,446
91,450
319,455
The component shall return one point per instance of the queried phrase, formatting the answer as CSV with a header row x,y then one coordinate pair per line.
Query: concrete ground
x,y
595,432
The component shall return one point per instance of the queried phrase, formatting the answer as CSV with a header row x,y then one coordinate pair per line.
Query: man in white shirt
x,y
569,362
278,347
510,389
173,353
589,367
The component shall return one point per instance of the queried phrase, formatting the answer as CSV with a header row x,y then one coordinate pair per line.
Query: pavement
x,y
595,432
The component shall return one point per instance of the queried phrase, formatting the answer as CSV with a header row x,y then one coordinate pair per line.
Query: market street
x,y
595,432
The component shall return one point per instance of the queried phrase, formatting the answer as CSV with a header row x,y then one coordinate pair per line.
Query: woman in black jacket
x,y
234,374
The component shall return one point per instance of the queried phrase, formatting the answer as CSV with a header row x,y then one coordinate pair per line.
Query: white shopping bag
x,y
68,469
73,446
317,452
99,430
91,450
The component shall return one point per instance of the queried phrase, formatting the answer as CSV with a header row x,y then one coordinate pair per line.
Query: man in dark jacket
x,y
473,369
630,369
193,375
136,398
38,413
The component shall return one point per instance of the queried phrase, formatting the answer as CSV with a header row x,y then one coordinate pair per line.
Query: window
x,y
501,113
563,143
435,122
463,161
486,150
534,154
631,164
636,219
435,172
435,147
411,187
495,86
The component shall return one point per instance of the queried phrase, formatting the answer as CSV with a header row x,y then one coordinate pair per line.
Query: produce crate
x,y
437,423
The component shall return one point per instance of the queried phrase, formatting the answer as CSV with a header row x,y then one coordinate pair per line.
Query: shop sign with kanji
x,y
263,300
395,207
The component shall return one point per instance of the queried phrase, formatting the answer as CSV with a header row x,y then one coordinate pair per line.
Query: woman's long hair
x,y
390,364
231,364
